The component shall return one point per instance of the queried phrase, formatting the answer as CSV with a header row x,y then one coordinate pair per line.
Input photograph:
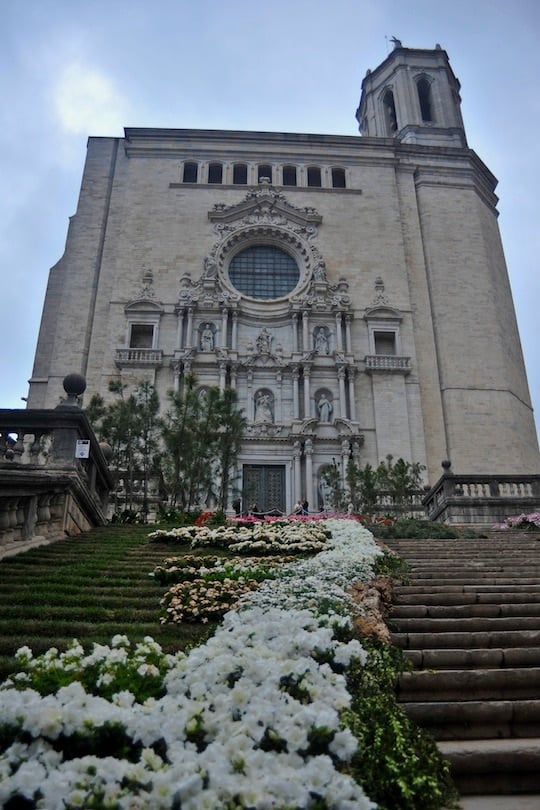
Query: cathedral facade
x,y
351,289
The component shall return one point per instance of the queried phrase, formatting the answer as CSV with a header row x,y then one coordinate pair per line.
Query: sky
x,y
70,69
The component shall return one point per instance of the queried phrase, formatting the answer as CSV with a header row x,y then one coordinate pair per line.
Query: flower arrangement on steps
x,y
259,716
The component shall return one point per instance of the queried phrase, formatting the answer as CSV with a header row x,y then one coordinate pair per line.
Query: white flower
x,y
344,744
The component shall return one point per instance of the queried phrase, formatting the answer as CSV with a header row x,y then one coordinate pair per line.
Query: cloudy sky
x,y
71,69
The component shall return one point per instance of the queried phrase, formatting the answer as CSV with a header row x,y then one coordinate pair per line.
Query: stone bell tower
x,y
413,96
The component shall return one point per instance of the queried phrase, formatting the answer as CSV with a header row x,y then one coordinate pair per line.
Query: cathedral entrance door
x,y
264,486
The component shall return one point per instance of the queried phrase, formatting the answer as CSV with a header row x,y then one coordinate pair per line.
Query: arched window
x,y
264,271
314,176
215,173
390,117
424,97
338,178
264,171
240,174
289,175
190,172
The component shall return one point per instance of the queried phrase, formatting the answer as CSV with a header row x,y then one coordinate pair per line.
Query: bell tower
x,y
413,96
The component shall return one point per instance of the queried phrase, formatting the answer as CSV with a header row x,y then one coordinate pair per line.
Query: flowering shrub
x,y
529,522
105,671
210,519
256,537
203,518
208,586
200,600
189,567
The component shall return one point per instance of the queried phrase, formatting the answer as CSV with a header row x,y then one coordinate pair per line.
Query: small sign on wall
x,y
82,449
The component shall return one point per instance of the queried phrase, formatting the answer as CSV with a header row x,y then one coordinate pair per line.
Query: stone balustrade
x,y
46,490
387,362
139,357
481,499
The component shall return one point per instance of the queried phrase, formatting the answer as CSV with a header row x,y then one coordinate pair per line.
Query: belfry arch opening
x,y
390,117
424,97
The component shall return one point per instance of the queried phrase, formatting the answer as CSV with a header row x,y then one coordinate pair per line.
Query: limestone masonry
x,y
353,290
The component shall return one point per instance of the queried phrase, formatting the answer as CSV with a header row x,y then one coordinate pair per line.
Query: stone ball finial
x,y
74,385
446,464
107,451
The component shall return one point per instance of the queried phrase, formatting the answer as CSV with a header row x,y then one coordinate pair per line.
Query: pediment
x,y
143,304
265,205
386,313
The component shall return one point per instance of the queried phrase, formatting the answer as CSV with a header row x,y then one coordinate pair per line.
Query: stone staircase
x,y
469,621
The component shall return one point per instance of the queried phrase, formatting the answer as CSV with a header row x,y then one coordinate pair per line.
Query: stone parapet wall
x,y
481,500
46,491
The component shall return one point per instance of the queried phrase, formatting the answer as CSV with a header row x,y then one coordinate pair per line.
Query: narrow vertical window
x,y
215,173
264,171
424,97
289,175
240,174
190,172
338,178
314,176
390,118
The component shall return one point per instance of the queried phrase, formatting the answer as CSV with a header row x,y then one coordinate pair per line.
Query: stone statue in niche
x,y
263,408
321,341
319,271
325,408
263,342
207,338
210,267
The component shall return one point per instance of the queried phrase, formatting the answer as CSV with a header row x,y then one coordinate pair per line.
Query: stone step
x,y
469,684
494,767
480,573
483,719
462,598
466,640
474,658
476,624
516,588
485,610
482,801
469,622
478,563
473,579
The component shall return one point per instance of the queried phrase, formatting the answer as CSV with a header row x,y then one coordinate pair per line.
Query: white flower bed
x,y
258,537
251,719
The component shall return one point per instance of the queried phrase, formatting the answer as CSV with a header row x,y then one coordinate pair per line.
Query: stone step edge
x,y
505,752
512,710
514,639
473,658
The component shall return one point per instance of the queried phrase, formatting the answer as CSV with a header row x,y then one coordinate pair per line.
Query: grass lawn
x,y
90,588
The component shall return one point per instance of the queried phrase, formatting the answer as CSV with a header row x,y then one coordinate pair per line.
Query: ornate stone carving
x,y
262,429
323,296
380,299
265,205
